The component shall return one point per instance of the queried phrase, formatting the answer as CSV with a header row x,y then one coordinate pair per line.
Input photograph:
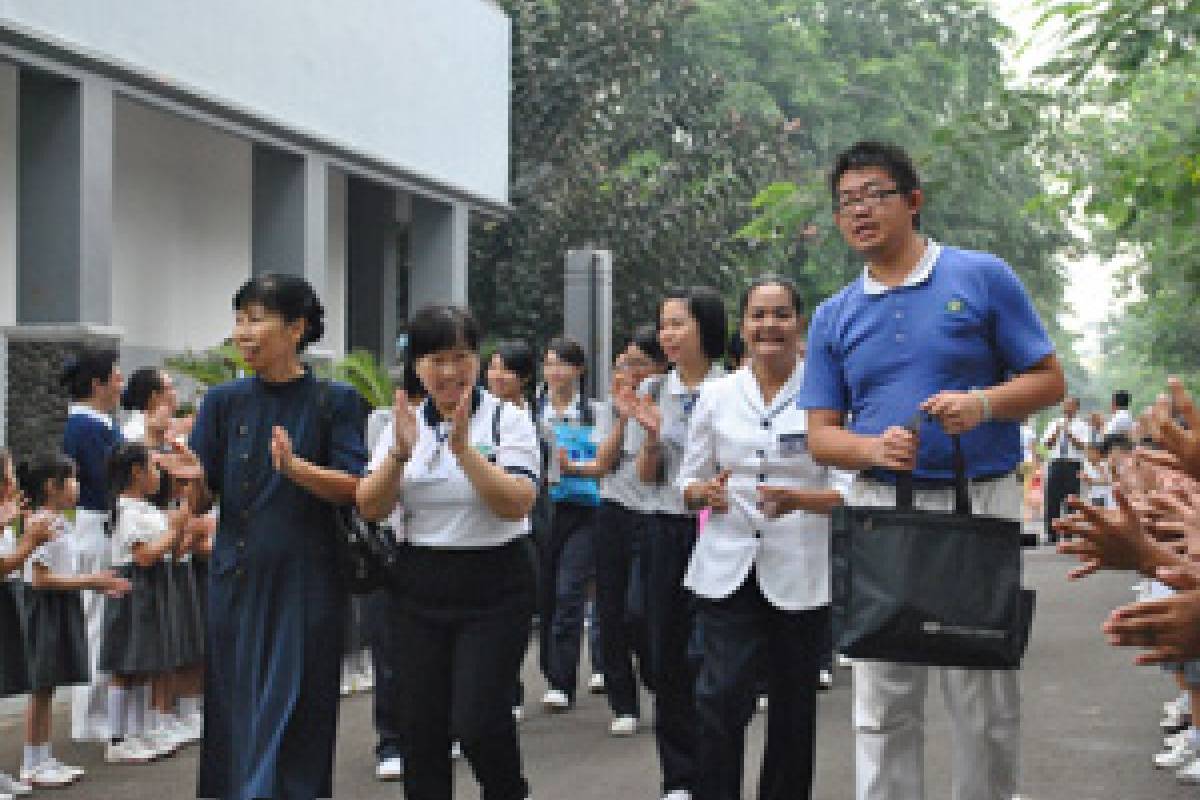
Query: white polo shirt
x,y
676,404
622,485
1120,424
441,508
1078,428
761,444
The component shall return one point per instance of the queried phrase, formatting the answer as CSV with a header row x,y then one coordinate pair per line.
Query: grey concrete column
x,y
64,200
437,253
316,223
371,236
587,313
278,215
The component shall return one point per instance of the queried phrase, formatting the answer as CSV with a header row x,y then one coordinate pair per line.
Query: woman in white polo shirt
x,y
465,466
760,571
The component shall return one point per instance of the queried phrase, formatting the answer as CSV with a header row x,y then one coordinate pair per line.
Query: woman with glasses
x,y
465,466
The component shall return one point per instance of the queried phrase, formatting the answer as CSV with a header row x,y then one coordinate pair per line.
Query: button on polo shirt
x,y
961,320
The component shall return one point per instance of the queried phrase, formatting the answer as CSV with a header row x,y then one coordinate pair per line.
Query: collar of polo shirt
x,y
433,417
919,274
676,387
85,410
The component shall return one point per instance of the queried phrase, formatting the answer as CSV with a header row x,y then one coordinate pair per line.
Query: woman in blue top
x,y
281,449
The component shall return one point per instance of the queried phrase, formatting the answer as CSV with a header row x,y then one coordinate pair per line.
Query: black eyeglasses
x,y
871,198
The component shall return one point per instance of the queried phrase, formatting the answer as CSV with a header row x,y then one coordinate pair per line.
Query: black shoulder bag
x,y
929,587
367,552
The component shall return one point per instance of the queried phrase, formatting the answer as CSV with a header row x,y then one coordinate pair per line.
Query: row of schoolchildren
x,y
102,581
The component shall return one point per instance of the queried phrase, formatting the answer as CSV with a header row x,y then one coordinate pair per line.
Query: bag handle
x,y
962,492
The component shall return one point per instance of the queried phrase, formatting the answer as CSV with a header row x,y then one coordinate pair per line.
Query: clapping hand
x,y
648,415
1182,443
459,438
282,456
1169,627
1105,538
39,528
404,425
11,508
713,493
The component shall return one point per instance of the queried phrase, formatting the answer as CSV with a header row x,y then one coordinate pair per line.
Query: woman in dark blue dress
x,y
280,450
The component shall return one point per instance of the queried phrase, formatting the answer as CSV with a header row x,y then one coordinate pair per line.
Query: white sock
x,y
189,706
43,753
47,751
137,711
31,757
118,711
1185,703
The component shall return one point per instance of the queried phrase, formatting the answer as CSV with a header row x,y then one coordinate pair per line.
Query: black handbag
x,y
924,587
367,552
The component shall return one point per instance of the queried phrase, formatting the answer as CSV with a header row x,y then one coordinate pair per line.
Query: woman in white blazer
x,y
760,569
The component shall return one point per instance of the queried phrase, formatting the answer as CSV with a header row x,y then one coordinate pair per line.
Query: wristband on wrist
x,y
983,401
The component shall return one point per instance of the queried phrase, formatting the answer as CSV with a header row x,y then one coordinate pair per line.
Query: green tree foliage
x,y
692,137
1127,151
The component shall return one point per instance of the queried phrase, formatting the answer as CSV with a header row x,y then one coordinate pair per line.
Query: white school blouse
x,y
676,405
761,444
138,522
56,555
441,508
1063,447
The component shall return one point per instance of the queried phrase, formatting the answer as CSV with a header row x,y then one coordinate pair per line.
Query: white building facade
x,y
154,155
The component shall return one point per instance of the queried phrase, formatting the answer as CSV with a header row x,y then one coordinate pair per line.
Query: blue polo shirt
x,y
877,354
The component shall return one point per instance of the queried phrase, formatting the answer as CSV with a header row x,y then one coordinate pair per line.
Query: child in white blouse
x,y
132,643
56,640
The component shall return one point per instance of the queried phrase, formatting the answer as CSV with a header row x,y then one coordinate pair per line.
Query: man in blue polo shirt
x,y
953,334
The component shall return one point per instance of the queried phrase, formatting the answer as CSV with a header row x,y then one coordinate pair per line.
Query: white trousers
x,y
89,704
889,698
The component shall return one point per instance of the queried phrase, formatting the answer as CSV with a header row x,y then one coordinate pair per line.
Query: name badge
x,y
792,444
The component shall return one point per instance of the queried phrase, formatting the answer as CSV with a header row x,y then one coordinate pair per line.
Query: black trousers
x,y
670,616
464,620
743,636
567,565
386,653
1062,481
618,537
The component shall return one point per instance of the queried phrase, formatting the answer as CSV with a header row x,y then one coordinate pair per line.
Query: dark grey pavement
x,y
1090,727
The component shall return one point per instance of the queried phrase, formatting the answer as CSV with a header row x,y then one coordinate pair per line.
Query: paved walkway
x,y
1090,726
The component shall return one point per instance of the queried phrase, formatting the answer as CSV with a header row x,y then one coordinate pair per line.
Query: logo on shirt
x,y
955,305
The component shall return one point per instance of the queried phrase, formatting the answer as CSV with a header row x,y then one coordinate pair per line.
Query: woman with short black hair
x,y
282,450
465,465
92,379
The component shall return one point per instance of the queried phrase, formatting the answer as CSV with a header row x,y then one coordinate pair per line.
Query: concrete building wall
x,y
8,194
181,228
420,85
335,287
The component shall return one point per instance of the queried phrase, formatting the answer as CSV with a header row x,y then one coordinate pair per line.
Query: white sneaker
x,y
825,679
12,787
762,703
677,794
1190,773
1175,740
47,776
623,726
131,750
844,661
1176,757
390,769
75,772
159,741
456,750
556,700
518,714
596,683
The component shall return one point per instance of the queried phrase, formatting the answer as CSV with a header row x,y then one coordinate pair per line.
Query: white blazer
x,y
732,428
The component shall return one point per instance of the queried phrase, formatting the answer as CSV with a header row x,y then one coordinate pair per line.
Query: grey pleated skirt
x,y
55,639
131,643
185,612
14,670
